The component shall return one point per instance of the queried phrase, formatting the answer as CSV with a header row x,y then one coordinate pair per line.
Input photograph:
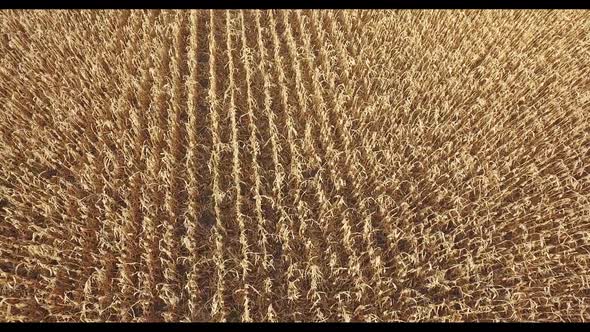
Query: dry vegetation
x,y
294,165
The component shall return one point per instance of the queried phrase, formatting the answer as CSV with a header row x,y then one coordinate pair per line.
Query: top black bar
x,y
296,4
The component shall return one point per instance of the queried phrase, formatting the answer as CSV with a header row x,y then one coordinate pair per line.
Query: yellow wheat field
x,y
294,165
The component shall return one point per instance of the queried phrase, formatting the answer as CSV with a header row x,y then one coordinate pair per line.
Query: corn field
x,y
294,165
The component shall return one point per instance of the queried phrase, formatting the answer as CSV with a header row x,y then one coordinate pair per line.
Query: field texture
x,y
294,165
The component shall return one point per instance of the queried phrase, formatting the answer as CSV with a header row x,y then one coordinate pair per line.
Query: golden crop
x,y
294,165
